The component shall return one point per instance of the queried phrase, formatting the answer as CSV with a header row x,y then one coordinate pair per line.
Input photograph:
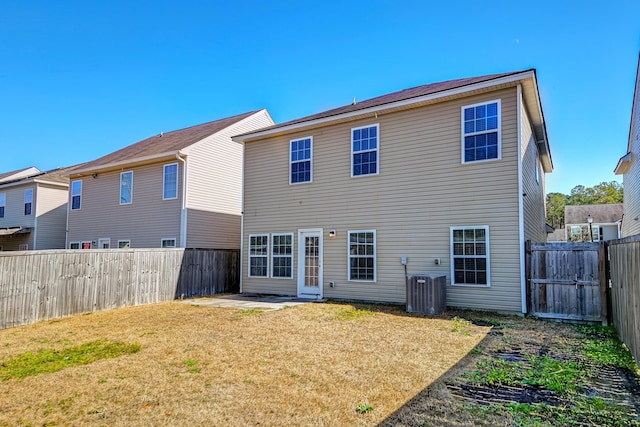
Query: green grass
x,y
250,312
594,412
49,360
353,313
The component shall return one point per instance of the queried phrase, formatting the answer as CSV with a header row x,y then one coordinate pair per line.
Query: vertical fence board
x,y
41,285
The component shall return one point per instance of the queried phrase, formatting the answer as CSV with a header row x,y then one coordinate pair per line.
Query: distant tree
x,y
555,209
600,194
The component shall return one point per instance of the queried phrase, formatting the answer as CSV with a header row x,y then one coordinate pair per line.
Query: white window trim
x,y
120,187
86,241
537,169
175,242
122,241
249,256
76,195
377,126
271,257
164,175
29,191
297,161
375,256
3,203
463,134
75,243
104,239
488,258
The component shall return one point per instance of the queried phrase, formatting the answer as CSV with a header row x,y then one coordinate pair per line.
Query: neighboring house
x,y
629,167
446,178
174,189
33,209
592,223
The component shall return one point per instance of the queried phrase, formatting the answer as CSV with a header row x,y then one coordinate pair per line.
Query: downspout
x,y
34,206
242,218
183,207
523,278
66,232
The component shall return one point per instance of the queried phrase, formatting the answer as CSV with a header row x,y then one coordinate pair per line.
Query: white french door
x,y
310,263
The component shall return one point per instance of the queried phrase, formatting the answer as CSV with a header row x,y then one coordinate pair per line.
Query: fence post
x,y
527,275
605,294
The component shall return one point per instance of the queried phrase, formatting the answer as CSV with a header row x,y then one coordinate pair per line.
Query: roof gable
x,y
165,142
601,214
17,174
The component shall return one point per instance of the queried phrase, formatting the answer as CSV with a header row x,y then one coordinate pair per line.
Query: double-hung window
x,y
282,256
124,244
76,195
168,243
28,201
364,150
470,255
301,152
258,255
74,245
170,182
3,203
481,132
126,188
362,256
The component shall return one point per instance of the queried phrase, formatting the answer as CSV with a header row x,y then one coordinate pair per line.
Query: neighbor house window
x,y
28,201
126,188
74,245
76,195
3,204
258,255
282,256
170,182
23,247
86,245
362,256
481,132
364,150
301,151
104,243
124,244
576,230
168,243
470,255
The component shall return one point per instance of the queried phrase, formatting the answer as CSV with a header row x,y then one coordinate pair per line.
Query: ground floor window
x,y
362,255
470,255
168,243
282,256
86,245
124,244
258,255
74,245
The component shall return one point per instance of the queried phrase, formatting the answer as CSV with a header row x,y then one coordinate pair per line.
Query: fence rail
x,y
624,262
41,285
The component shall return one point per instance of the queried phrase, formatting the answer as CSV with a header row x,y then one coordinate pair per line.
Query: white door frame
x,y
304,291
102,240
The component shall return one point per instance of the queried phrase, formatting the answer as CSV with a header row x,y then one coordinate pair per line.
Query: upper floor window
x,y
170,182
168,243
364,150
124,244
362,256
76,194
470,255
301,152
282,255
481,132
3,203
126,188
28,201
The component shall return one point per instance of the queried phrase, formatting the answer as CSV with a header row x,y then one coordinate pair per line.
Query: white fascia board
x,y
128,162
405,102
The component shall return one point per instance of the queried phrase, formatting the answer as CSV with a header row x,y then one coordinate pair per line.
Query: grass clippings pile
x,y
314,364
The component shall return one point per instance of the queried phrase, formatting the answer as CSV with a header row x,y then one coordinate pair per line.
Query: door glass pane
x,y
311,261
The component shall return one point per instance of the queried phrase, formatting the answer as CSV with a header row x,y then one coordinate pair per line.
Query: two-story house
x,y
446,178
175,189
593,223
33,209
629,167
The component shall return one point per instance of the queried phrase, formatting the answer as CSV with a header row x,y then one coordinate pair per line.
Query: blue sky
x,y
80,79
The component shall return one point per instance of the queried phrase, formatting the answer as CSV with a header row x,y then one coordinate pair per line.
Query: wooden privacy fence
x,y
40,285
567,281
624,262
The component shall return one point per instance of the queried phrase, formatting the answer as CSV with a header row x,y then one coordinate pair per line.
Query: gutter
x,y
242,217
523,275
127,162
183,207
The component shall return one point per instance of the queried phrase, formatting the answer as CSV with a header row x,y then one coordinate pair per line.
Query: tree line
x,y
600,194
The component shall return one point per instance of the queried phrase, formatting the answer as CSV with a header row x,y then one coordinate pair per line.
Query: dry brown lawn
x,y
308,365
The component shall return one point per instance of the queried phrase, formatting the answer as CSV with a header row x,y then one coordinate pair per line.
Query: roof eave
x,y
352,115
128,163
624,164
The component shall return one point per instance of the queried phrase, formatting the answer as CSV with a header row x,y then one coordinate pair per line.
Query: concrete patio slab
x,y
249,301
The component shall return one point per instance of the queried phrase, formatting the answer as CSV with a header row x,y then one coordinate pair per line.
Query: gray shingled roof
x,y
166,142
601,214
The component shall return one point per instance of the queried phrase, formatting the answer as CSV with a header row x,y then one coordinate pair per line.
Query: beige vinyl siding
x,y
51,211
144,222
14,216
207,229
631,179
421,191
533,191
